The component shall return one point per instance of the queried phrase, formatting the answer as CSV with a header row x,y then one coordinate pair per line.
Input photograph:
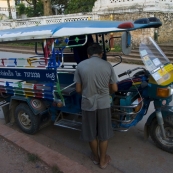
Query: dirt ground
x,y
15,160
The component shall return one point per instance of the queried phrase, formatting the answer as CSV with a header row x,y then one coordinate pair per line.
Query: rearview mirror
x,y
126,43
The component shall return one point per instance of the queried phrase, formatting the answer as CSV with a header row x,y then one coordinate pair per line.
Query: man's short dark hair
x,y
94,48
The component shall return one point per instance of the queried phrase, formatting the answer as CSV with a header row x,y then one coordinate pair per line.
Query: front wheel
x,y
156,134
26,120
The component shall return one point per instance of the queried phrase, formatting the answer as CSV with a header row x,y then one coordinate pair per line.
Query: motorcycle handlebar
x,y
130,71
122,74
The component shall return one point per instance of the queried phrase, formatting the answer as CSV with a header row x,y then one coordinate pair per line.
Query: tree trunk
x,y
34,2
9,9
47,7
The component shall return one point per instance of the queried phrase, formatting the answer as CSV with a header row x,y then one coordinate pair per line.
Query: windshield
x,y
155,60
152,56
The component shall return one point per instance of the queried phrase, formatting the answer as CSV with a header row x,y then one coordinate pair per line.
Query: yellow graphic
x,y
162,71
168,67
166,75
30,61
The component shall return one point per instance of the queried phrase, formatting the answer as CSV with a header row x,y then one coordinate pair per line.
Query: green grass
x,y
117,48
33,157
29,44
55,169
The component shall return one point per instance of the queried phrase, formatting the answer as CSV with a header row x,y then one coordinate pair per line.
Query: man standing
x,y
95,78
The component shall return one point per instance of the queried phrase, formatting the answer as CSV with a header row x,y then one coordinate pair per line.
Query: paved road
x,y
129,152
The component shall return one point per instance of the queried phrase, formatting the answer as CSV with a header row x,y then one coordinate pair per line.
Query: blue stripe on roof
x,y
77,24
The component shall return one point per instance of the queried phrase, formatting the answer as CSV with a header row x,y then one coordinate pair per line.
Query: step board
x,y
69,124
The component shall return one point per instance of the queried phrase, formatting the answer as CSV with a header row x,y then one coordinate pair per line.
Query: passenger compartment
x,y
67,85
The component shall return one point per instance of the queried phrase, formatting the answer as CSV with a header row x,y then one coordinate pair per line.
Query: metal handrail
x,y
134,106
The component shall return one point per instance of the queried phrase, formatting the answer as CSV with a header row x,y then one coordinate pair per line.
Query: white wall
x,y
147,5
4,8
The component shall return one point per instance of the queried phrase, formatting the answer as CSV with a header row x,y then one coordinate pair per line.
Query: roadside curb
x,y
50,157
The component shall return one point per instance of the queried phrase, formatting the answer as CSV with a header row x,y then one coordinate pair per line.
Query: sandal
x,y
108,158
94,161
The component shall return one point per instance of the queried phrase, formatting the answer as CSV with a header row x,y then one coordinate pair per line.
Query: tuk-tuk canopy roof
x,y
73,28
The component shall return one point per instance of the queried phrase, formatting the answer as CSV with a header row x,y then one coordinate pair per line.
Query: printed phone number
x,y
32,74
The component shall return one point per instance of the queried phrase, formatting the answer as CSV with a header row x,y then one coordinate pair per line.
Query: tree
x,y
59,6
47,7
39,11
79,6
33,3
9,9
21,9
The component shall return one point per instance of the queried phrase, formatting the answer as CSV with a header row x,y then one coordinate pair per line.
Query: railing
x,y
34,21
13,9
100,7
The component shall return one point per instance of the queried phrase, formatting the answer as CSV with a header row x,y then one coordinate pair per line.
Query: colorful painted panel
x,y
38,90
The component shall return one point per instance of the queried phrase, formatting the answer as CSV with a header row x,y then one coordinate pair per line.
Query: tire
x,y
155,133
26,120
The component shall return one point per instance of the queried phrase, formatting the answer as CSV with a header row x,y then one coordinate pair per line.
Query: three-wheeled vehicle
x,y
41,88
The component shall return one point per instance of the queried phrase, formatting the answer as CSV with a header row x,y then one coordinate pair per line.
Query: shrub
x,y
21,9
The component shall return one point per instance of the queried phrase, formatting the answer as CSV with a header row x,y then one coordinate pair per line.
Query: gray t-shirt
x,y
95,75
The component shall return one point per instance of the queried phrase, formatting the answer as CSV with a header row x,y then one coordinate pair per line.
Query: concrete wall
x,y
134,9
165,32
133,5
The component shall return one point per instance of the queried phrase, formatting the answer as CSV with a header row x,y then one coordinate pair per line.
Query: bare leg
x,y
103,145
94,148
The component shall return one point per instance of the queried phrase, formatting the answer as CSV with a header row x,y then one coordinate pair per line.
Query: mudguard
x,y
37,105
166,110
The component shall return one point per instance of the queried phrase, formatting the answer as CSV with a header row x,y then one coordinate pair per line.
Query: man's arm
x,y
77,79
113,88
78,88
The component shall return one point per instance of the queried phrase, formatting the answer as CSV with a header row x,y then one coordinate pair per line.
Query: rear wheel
x,y
156,134
26,120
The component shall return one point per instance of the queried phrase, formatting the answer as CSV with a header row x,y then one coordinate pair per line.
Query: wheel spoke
x,y
27,121
169,136
169,132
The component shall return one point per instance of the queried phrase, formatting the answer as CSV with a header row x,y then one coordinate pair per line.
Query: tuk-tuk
x,y
40,88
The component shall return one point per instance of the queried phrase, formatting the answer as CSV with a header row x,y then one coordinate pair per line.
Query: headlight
x,y
164,92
